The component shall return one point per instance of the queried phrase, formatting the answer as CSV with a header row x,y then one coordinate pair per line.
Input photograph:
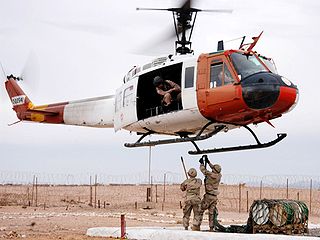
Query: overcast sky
x,y
76,49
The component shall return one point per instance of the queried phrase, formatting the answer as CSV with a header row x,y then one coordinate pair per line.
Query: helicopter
x,y
220,91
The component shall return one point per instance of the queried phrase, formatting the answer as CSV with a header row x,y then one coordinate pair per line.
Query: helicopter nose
x,y
268,90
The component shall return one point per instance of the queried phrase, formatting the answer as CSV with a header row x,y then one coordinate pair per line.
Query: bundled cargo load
x,y
273,216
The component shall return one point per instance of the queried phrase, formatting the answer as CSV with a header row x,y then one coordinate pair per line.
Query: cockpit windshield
x,y
270,64
246,65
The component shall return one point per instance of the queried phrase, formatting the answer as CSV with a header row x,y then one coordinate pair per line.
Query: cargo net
x,y
272,216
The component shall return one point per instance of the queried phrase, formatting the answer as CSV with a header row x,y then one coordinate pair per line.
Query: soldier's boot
x,y
212,229
185,228
195,228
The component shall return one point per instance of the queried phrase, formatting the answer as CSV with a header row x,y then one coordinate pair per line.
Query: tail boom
x,y
94,112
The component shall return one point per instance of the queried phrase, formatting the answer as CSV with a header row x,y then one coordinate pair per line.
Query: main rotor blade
x,y
160,9
217,10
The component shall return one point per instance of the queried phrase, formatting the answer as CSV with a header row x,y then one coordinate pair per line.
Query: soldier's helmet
x,y
192,172
157,81
216,168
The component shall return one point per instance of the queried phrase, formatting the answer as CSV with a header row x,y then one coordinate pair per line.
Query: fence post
x,y
298,197
287,188
239,197
260,189
36,191
95,191
164,188
151,188
156,193
149,194
90,204
123,226
247,201
28,196
33,183
310,196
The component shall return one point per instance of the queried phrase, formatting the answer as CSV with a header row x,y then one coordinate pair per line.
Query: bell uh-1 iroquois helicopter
x,y
220,91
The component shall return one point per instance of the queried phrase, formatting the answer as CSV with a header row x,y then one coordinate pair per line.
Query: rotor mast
x,y
184,19
182,22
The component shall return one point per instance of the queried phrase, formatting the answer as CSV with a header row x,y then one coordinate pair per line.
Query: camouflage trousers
x,y
208,202
188,207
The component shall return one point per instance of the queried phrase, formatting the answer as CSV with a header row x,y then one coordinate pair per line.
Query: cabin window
x,y
220,75
118,101
227,77
127,96
189,77
215,69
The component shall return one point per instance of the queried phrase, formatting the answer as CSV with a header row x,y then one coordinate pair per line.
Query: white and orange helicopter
x,y
220,91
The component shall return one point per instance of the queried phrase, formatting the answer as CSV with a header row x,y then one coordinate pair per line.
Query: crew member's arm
x,y
174,86
160,91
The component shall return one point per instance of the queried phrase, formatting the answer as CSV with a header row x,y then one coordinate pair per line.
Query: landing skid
x,y
176,140
200,136
280,136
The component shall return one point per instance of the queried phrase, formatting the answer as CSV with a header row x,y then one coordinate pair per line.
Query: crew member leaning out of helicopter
x,y
211,183
169,90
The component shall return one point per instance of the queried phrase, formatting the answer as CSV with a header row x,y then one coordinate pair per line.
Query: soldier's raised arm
x,y
202,167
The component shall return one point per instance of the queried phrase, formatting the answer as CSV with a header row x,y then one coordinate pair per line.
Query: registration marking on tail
x,y
18,100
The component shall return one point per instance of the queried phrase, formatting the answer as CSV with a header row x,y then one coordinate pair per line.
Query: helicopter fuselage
x,y
233,87
247,91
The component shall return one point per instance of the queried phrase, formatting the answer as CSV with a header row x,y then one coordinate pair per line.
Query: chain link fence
x,y
237,192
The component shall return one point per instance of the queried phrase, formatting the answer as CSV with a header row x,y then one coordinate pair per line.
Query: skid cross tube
x,y
178,140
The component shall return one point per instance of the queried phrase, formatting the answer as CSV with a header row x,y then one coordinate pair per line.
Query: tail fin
x,y
21,103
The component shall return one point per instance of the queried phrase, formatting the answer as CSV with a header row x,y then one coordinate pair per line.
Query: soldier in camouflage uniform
x,y
212,180
192,199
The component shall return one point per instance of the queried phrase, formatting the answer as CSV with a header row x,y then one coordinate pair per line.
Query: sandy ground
x,y
59,223
63,212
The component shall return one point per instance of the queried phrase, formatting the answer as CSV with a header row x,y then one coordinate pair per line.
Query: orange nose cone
x,y
287,100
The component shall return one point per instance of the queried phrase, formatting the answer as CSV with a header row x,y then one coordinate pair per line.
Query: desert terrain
x,y
66,212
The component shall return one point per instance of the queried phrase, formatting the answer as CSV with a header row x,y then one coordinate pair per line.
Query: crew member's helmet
x,y
157,81
216,168
192,172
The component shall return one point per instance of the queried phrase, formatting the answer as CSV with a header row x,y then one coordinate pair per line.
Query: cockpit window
x,y
220,75
246,65
270,64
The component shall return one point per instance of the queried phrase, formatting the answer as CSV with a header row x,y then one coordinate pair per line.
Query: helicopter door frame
x,y
220,90
188,84
125,105
214,100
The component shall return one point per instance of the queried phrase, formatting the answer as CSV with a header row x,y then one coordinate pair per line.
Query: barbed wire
x,y
237,192
275,181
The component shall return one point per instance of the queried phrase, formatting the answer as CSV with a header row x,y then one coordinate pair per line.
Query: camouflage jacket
x,y
212,180
192,188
